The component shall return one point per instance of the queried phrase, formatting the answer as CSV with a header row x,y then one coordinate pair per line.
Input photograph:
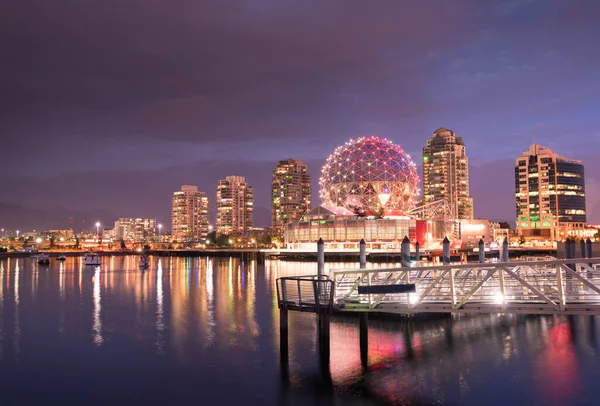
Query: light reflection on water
x,y
207,330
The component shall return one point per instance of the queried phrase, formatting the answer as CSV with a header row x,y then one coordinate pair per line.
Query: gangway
x,y
570,286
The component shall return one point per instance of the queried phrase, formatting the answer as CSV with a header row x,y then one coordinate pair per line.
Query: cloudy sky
x,y
108,106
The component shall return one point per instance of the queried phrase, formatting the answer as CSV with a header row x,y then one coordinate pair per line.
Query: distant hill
x,y
15,216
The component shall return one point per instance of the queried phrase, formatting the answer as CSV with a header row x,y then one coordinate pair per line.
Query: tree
x,y
379,213
123,245
359,212
76,242
211,237
264,240
52,240
522,240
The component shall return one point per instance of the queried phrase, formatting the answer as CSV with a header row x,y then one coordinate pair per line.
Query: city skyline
x,y
151,107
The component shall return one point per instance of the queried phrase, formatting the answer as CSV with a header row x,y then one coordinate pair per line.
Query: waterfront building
x,y
290,193
189,214
235,205
446,173
132,229
550,195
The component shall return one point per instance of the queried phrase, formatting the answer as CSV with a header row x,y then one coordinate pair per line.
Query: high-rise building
x,y
290,192
550,195
189,214
235,205
446,173
134,229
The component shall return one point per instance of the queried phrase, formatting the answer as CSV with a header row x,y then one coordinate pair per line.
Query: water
x,y
206,331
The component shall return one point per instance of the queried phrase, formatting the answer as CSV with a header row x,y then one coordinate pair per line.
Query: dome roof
x,y
370,174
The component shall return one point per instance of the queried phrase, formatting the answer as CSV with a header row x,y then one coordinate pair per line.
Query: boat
x,y
91,258
43,259
144,262
61,258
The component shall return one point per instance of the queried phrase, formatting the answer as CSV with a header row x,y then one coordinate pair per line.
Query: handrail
x,y
478,265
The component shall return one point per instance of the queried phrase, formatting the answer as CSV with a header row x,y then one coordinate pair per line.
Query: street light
x,y
17,234
97,228
159,228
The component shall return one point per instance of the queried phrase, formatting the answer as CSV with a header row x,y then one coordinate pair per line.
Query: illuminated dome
x,y
369,174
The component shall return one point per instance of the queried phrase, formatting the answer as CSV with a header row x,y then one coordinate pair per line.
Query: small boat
x,y
144,262
43,259
91,258
61,258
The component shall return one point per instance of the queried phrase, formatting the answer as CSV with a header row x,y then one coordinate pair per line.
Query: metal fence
x,y
537,287
306,293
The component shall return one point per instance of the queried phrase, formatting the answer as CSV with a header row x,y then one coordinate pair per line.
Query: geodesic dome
x,y
370,173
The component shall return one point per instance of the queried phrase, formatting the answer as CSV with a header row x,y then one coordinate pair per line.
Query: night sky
x,y
109,106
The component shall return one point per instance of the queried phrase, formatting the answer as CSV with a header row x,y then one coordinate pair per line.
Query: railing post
x,y
283,311
481,251
560,288
446,251
567,245
452,288
588,245
320,257
505,250
363,254
582,248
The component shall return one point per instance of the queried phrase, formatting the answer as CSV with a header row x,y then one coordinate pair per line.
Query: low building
x,y
340,228
134,229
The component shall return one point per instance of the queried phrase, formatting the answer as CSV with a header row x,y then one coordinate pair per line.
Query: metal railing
x,y
306,293
569,286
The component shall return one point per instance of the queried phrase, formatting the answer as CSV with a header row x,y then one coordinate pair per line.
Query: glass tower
x,y
446,173
550,195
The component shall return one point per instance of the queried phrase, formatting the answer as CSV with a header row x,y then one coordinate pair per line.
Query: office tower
x,y
290,192
550,195
134,229
235,205
189,215
446,173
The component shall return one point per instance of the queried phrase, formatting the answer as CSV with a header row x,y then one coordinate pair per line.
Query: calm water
x,y
206,331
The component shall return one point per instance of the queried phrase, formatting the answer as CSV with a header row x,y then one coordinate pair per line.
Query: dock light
x,y
38,240
499,298
230,242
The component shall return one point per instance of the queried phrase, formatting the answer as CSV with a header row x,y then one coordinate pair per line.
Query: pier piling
x,y
481,251
364,338
505,250
405,249
320,257
446,251
363,254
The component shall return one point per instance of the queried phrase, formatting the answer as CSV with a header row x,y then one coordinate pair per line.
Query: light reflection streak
x,y
160,326
210,334
97,320
17,331
61,281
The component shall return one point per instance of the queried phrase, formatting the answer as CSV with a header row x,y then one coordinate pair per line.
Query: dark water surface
x,y
206,331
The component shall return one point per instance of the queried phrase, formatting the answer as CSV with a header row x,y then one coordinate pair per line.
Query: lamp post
x,y
159,228
98,232
17,234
